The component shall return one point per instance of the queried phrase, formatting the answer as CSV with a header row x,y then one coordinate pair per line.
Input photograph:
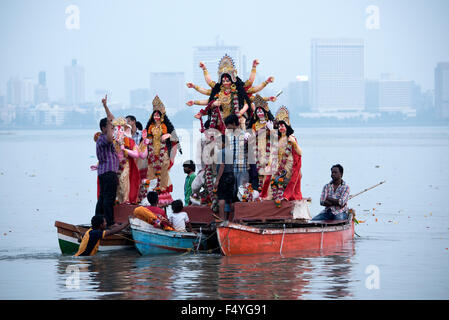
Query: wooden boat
x,y
70,235
279,232
151,241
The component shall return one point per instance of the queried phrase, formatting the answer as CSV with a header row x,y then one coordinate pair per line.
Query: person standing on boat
x,y
239,150
189,169
135,132
334,197
91,239
108,165
224,183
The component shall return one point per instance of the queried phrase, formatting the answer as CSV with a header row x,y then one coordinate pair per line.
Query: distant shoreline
x,y
296,127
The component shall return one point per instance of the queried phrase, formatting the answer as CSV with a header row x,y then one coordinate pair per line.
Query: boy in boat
x,y
91,239
189,169
179,219
334,197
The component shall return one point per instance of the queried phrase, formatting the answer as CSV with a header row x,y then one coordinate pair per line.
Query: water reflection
x,y
126,275
289,276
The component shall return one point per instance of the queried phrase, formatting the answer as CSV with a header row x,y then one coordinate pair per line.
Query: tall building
x,y
19,92
395,95
371,95
337,70
442,89
40,89
28,90
211,56
298,94
139,97
42,78
74,84
14,92
170,87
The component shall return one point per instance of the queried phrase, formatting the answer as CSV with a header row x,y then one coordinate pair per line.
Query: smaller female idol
x,y
159,145
284,180
261,124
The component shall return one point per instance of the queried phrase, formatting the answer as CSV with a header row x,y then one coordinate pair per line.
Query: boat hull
x,y
153,241
70,235
238,239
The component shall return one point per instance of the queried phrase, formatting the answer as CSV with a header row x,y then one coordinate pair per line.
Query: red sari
x,y
293,189
134,175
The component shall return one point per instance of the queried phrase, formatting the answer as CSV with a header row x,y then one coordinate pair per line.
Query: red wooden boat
x,y
273,230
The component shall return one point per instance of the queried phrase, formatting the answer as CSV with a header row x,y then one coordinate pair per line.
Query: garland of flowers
x,y
211,192
277,180
248,195
216,118
256,155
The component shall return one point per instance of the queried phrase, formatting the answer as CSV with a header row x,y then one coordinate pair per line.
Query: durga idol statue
x,y
227,97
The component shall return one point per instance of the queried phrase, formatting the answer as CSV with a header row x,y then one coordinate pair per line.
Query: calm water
x,y
45,176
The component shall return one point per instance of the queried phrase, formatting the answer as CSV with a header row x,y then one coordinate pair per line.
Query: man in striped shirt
x,y
239,149
108,165
334,197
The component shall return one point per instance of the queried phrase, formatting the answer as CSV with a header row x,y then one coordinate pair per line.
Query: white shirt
x,y
179,220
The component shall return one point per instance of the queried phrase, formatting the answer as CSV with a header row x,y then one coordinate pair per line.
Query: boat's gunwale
x,y
152,230
313,227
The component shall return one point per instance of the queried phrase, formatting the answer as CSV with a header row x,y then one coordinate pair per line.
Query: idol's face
x,y
157,117
226,81
282,128
260,113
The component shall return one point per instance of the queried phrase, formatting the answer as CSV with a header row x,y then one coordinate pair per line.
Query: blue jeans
x,y
327,214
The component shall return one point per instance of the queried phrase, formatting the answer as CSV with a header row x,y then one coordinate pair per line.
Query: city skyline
x,y
120,43
160,81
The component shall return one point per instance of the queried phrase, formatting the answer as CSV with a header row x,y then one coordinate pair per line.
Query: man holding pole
x,y
334,197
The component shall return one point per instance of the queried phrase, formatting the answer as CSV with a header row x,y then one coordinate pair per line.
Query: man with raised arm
x,y
108,164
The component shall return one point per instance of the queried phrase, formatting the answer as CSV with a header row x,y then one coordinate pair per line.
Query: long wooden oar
x,y
355,195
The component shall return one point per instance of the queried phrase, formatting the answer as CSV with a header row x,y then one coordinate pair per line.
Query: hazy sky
x,y
121,41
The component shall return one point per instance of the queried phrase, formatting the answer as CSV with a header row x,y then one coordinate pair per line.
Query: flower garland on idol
x,y
278,183
248,194
257,157
225,98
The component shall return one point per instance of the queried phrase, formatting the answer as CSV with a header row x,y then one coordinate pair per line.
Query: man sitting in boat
x,y
334,197
153,200
179,219
91,239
